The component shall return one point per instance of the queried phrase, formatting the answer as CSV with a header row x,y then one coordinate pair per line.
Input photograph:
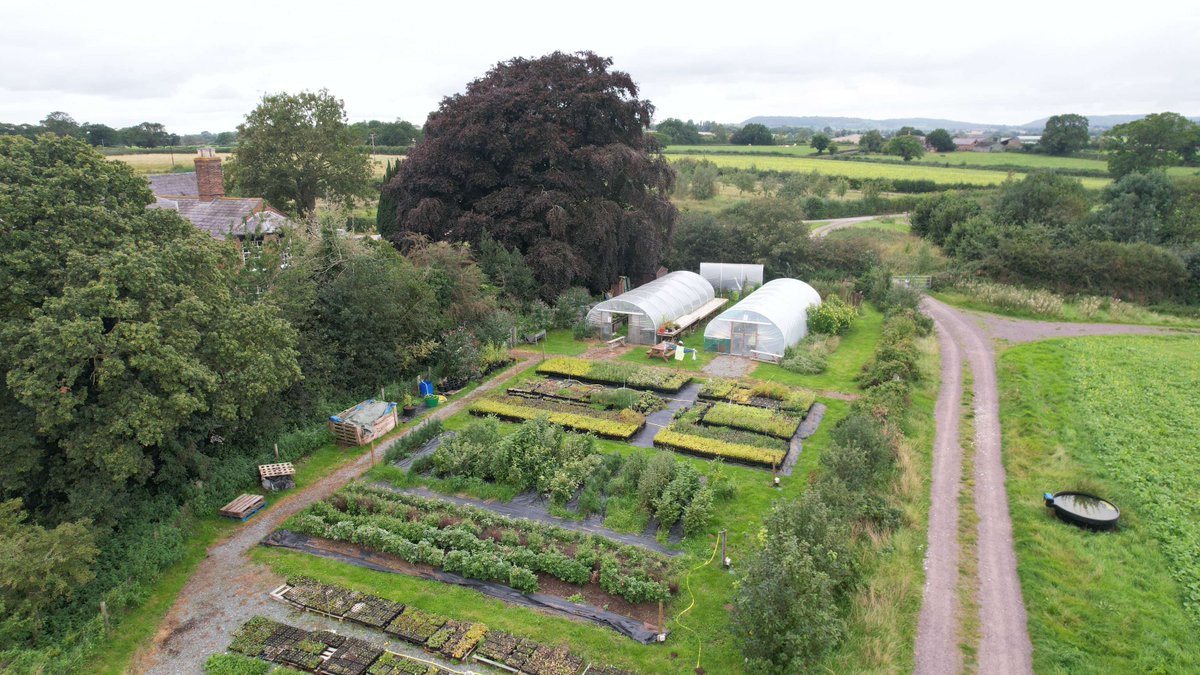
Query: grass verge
x,y
1117,416
856,348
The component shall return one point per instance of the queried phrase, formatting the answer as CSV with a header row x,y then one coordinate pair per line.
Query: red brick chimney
x,y
210,182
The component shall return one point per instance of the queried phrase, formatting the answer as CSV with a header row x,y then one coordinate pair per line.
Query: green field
x,y
1117,416
844,364
793,150
986,159
867,169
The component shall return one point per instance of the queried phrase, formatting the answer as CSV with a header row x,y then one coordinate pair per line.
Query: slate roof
x,y
221,217
174,184
225,216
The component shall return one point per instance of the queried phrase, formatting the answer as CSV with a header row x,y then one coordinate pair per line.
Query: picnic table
x,y
662,350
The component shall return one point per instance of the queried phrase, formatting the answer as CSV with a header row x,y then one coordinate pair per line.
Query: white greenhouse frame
x,y
652,305
766,322
732,276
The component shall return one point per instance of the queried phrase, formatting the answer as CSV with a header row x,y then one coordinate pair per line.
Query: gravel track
x,y
226,588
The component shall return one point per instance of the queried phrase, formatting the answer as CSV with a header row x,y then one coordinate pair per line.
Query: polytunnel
x,y
765,323
653,304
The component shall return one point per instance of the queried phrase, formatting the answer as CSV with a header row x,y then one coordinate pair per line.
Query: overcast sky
x,y
203,65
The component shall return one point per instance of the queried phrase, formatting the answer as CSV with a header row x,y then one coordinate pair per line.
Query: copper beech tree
x,y
552,158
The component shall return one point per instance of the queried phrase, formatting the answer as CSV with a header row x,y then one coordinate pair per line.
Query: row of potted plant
x,y
750,418
710,447
610,372
620,425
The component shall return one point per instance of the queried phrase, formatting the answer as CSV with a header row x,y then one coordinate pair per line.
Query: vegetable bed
x,y
758,394
620,425
608,372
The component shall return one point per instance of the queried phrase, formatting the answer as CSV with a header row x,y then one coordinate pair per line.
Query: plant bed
x,y
643,402
456,538
622,374
771,395
620,425
397,664
608,670
352,657
374,612
690,424
328,599
527,656
455,639
254,635
711,447
750,418
416,626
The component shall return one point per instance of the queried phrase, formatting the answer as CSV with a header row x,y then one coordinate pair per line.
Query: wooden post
x,y
104,614
724,542
276,452
660,616
372,452
382,396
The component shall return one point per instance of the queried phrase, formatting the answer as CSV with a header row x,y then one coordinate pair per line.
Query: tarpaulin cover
x,y
365,414
624,625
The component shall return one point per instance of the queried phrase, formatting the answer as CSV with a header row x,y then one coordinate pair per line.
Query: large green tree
x,y
680,132
294,149
122,343
1156,141
820,142
752,134
1064,134
872,141
907,147
40,566
940,140
551,157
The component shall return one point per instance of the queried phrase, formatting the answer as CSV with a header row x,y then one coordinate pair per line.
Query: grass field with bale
x,y
1118,417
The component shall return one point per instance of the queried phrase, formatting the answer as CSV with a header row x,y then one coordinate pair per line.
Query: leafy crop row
x,y
711,447
480,544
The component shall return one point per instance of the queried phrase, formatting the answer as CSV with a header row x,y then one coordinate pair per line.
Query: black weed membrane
x,y
549,604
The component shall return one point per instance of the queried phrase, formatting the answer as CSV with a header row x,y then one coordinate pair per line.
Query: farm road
x,y
824,227
227,588
1004,646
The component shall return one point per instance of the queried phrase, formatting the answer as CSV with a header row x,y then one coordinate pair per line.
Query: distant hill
x,y
927,123
923,123
1096,121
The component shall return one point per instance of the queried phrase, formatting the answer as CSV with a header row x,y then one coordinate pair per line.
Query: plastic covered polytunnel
x,y
652,305
765,323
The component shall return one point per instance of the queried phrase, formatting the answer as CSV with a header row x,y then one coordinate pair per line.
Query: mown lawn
x,y
561,341
1118,416
693,340
844,364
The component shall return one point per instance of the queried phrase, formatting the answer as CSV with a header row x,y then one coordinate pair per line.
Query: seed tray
x,y
374,612
416,626
353,657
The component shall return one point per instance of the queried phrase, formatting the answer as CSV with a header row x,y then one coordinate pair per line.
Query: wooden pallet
x,y
243,507
273,470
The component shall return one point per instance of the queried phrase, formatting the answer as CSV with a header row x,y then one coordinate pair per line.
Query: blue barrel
x,y
425,388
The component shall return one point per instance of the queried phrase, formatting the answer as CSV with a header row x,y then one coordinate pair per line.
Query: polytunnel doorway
x,y
743,338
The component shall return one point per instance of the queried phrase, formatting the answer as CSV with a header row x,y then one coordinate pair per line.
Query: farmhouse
x,y
200,197
765,323
1019,142
674,298
972,143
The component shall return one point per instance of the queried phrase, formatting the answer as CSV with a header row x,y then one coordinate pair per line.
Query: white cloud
x,y
197,67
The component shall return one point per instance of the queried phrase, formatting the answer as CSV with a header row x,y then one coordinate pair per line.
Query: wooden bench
x,y
662,350
243,507
618,341
534,338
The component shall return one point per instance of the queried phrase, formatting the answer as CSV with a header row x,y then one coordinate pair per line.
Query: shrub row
x,y
621,425
462,539
760,420
807,555
625,374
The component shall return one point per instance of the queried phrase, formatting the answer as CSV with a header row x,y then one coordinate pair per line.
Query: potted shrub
x,y
409,404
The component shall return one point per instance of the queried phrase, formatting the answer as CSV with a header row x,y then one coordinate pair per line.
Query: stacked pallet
x,y
243,507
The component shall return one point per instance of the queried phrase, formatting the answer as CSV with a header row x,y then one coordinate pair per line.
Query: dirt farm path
x,y
1004,643
226,589
824,227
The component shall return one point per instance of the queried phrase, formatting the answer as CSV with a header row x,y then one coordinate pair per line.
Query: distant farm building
x,y
765,323
732,276
972,144
667,302
1019,142
200,198
849,138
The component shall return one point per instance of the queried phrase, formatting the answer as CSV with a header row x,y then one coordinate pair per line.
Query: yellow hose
x,y
687,580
